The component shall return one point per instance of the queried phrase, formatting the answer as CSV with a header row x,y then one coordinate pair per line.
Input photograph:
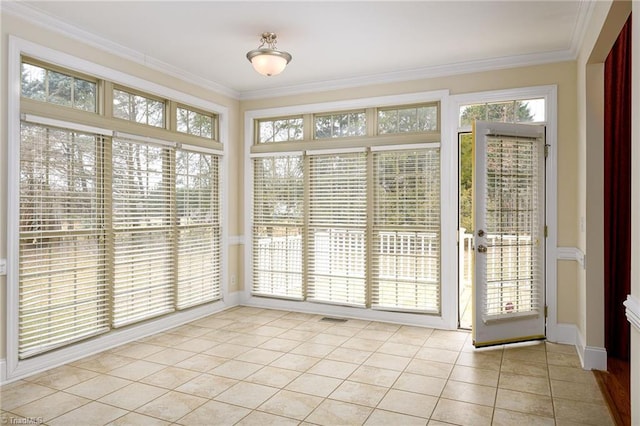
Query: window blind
x,y
406,230
199,237
278,225
337,228
143,233
513,222
62,266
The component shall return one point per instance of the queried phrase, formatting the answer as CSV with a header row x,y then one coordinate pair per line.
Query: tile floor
x,y
254,366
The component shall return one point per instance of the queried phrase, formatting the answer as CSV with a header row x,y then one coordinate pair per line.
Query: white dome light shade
x,y
268,60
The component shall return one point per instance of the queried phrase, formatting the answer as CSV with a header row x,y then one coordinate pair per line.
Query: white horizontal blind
x,y
513,223
278,226
406,230
337,228
62,269
199,238
143,232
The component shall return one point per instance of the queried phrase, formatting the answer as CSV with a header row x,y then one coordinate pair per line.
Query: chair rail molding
x,y
633,311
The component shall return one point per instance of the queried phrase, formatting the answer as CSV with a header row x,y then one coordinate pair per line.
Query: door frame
x,y
549,93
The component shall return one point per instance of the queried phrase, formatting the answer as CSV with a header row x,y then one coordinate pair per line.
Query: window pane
x,y
340,125
406,247
277,226
57,88
63,296
532,110
337,225
199,230
143,255
282,130
194,123
408,119
137,108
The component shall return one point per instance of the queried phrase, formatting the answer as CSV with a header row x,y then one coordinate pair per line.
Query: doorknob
x,y
481,233
482,249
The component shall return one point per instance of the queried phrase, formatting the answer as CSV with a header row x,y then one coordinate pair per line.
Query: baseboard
x,y
591,357
3,371
563,333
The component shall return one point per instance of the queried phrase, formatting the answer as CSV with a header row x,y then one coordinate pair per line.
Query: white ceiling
x,y
333,43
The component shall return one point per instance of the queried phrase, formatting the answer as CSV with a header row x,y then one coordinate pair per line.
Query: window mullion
x,y
306,164
107,199
169,173
368,273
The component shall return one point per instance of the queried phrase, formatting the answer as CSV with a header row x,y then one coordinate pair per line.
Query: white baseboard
x,y
563,333
3,371
591,357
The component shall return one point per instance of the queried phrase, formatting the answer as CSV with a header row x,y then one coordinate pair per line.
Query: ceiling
x,y
333,43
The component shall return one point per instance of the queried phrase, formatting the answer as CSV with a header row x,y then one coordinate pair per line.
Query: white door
x,y
509,222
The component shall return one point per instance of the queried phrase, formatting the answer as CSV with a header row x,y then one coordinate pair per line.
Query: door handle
x,y
482,249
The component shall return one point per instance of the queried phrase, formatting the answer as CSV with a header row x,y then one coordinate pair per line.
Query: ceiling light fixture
x,y
268,60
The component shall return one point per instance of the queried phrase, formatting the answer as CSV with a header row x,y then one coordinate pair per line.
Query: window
x,y
514,111
113,229
138,108
356,225
63,269
194,123
277,226
340,125
280,130
58,88
422,118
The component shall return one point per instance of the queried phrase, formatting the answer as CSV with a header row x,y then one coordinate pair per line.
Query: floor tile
x,y
584,392
249,395
386,418
485,360
522,402
430,368
332,413
359,393
527,368
563,359
196,345
206,385
51,406
170,377
531,384
93,413
266,419
169,356
462,413
478,376
571,374
62,377
525,354
420,384
19,393
135,419
313,349
279,344
273,376
138,350
349,355
172,405
291,404
260,356
236,369
137,370
314,385
201,362
390,362
337,369
362,344
469,392
329,339
509,418
214,413
295,362
399,349
104,362
98,386
443,343
410,403
133,396
375,376
227,350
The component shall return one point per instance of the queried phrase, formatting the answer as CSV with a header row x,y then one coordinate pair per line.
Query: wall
x,y
17,27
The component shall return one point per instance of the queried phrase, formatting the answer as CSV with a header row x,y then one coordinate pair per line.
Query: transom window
x,y
420,118
280,130
340,125
137,108
195,123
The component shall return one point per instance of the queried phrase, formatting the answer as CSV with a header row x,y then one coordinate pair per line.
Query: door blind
x,y
199,236
278,226
143,231
62,266
406,230
514,255
337,228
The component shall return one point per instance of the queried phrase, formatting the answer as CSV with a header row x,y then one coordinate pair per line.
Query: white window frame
x,y
448,318
555,332
16,368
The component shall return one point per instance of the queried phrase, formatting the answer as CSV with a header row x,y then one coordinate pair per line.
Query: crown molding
x,y
38,18
415,74
35,16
